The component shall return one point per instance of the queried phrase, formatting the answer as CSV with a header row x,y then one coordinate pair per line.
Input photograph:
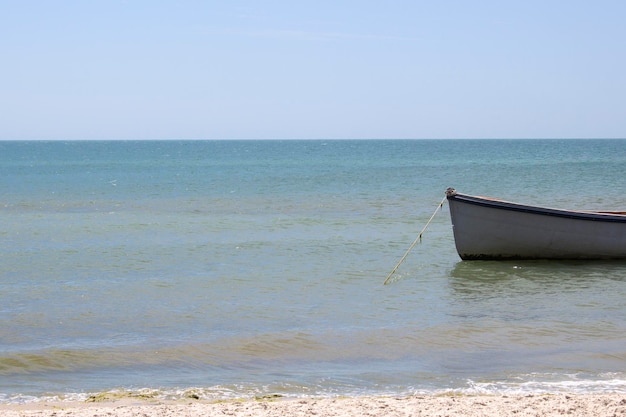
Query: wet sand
x,y
420,405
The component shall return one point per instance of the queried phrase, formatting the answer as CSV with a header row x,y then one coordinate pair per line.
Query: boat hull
x,y
491,229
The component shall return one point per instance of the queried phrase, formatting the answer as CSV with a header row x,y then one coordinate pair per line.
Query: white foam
x,y
547,384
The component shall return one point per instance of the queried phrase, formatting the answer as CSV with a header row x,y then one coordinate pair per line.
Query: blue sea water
x,y
247,268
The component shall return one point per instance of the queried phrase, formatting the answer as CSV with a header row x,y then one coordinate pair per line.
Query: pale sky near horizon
x,y
124,69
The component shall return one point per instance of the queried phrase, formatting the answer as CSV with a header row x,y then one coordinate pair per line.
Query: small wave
x,y
532,384
551,384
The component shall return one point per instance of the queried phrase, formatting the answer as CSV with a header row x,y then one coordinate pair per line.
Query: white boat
x,y
488,228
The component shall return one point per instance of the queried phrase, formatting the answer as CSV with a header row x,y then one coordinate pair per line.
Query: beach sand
x,y
420,405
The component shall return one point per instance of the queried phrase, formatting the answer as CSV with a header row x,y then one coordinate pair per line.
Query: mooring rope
x,y
417,239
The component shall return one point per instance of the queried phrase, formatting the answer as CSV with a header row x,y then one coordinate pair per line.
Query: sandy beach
x,y
420,405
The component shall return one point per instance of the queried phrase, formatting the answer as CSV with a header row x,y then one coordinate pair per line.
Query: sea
x,y
249,269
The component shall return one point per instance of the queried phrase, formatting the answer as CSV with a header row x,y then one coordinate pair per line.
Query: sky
x,y
323,69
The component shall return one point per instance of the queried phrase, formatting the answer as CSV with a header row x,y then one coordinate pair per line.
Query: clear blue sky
x,y
149,69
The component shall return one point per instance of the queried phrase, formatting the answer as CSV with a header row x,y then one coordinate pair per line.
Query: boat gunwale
x,y
598,216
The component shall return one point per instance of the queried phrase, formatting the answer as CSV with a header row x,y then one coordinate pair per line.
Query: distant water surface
x,y
246,268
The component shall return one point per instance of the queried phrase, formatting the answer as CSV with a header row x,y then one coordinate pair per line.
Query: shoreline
x,y
588,405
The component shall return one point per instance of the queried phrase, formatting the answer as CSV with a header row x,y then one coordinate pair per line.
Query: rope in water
x,y
417,239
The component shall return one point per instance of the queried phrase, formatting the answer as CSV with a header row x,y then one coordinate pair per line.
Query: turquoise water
x,y
243,268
